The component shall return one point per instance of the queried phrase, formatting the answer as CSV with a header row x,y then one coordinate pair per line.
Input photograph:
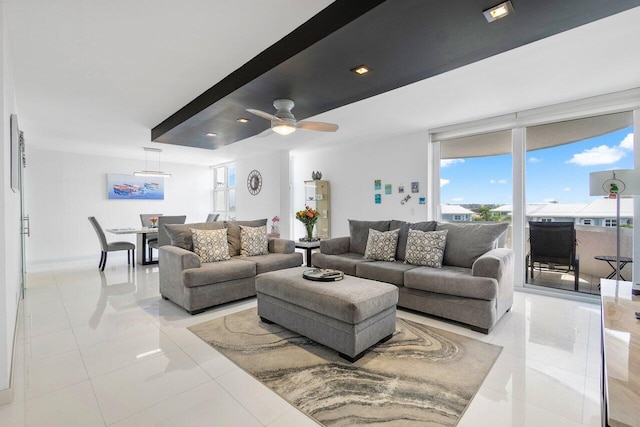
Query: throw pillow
x,y
234,233
426,247
404,233
253,241
180,234
210,245
381,245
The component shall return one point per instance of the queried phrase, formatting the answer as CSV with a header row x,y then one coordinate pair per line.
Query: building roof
x,y
455,210
599,208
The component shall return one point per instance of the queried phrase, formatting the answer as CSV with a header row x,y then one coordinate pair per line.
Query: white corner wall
x,y
64,189
351,172
274,195
10,269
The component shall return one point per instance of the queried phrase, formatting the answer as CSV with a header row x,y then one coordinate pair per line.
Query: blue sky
x,y
559,173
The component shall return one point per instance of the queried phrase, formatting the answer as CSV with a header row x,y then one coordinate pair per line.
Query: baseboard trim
x,y
6,395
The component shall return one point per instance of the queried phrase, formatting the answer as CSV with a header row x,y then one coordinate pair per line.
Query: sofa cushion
x,y
233,233
210,245
448,280
384,271
180,234
467,242
253,241
426,247
344,262
404,233
274,261
359,233
381,245
215,272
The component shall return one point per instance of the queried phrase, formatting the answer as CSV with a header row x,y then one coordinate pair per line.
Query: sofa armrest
x,y
494,264
281,246
175,259
335,246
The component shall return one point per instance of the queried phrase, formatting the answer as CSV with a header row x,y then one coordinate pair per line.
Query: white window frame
x,y
227,211
457,217
628,100
608,222
587,221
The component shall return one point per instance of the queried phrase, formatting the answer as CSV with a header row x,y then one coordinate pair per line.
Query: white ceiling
x,y
95,77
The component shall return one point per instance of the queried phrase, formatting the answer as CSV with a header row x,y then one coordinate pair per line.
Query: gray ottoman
x,y
348,316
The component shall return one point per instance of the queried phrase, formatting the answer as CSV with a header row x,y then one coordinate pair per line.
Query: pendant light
x,y
147,172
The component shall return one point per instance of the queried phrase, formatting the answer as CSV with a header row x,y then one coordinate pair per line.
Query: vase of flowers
x,y
308,217
274,224
154,221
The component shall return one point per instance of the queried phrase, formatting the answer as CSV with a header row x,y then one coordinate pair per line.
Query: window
x,y
609,222
457,217
224,190
587,222
546,220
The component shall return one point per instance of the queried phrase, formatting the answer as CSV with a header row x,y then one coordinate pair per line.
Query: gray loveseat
x,y
195,286
474,285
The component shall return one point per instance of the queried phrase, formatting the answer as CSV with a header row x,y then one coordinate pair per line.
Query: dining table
x,y
143,234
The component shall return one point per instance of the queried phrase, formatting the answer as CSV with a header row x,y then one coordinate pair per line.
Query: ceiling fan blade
x,y
317,126
264,115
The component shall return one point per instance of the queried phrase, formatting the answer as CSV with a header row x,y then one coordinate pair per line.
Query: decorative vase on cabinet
x,y
317,196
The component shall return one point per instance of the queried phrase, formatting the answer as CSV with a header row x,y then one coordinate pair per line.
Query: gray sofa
x,y
474,285
196,286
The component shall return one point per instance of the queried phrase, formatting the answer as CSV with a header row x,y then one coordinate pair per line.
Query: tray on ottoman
x,y
348,316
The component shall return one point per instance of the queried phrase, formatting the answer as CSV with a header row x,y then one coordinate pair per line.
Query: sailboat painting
x,y
133,187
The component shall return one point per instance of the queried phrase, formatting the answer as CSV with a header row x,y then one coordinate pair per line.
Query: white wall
x,y
64,189
274,195
351,172
10,269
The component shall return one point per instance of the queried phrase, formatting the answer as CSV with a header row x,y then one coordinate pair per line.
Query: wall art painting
x,y
131,187
400,188
387,189
415,187
377,184
378,198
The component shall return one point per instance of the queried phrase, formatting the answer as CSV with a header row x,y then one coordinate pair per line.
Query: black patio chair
x,y
553,244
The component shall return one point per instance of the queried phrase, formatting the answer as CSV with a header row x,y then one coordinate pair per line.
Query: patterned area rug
x,y
422,376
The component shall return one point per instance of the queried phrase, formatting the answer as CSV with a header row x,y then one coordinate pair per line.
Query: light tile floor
x,y
100,349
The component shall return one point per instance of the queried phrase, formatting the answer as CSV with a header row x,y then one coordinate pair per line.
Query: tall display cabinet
x,y
317,196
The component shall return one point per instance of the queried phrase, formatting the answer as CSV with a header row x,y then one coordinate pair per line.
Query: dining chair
x,y
212,217
145,219
163,237
112,247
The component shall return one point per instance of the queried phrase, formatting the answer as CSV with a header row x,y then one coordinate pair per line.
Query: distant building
x,y
600,212
455,213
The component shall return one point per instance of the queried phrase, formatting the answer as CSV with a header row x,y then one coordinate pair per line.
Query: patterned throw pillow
x,y
426,247
210,245
381,245
253,241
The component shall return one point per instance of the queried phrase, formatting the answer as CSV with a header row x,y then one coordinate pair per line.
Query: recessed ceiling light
x,y
361,70
243,120
498,11
211,134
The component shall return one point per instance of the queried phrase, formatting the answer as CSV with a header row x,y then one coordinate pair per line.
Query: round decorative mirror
x,y
254,182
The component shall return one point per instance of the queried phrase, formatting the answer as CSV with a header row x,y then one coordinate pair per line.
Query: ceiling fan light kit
x,y
283,122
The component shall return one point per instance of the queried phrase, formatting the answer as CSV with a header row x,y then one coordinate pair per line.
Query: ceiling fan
x,y
283,121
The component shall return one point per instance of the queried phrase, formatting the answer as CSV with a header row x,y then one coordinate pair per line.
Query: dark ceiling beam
x,y
332,18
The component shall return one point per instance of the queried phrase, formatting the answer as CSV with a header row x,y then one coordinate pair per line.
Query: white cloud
x,y
627,142
566,189
444,182
534,160
502,181
492,181
602,155
448,162
457,199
